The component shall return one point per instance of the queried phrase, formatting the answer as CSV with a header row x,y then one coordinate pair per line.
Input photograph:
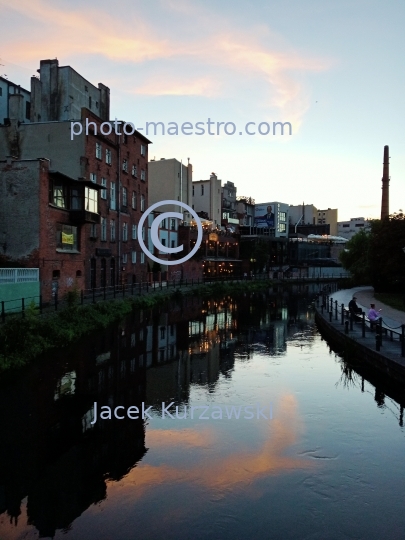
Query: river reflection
x,y
319,468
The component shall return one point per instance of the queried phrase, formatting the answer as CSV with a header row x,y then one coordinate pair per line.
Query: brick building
x,y
82,201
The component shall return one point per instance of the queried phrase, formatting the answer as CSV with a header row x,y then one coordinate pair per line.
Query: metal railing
x,y
347,319
36,304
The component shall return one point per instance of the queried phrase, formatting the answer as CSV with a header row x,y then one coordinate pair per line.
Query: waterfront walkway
x,y
392,318
389,356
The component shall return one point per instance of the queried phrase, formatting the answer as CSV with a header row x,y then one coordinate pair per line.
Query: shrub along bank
x,y
23,339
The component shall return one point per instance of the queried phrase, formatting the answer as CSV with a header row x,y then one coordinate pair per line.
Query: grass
x,y
393,300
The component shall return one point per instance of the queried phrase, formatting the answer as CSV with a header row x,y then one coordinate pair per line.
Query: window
x,y
162,332
173,244
104,191
142,203
283,216
108,158
91,200
112,195
142,257
103,229
76,199
143,150
134,200
66,237
89,102
96,104
124,232
27,109
134,232
173,224
193,191
112,230
124,196
124,258
55,274
133,257
346,225
98,151
134,172
58,195
202,189
163,241
125,165
93,177
143,233
163,224
93,230
143,175
282,227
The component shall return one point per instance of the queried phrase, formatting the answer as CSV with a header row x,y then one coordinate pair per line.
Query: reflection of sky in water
x,y
326,466
326,462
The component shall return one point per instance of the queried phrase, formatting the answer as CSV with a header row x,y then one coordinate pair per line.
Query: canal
x,y
294,441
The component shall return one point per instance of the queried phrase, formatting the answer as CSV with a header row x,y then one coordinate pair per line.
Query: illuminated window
x,y
91,200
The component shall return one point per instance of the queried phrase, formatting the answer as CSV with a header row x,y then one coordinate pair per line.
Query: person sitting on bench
x,y
373,315
354,309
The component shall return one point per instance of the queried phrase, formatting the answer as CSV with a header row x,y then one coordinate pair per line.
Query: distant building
x,y
245,209
229,203
302,214
207,197
347,229
14,100
272,216
328,217
60,93
170,179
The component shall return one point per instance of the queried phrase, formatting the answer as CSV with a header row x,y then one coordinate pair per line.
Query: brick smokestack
x,y
385,200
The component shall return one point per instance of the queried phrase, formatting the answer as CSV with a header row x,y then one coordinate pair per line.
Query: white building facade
x,y
347,229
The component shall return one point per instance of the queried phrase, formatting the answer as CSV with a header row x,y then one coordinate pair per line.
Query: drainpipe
x,y
119,209
181,183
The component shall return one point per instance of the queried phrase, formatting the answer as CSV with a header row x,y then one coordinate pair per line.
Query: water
x,y
328,464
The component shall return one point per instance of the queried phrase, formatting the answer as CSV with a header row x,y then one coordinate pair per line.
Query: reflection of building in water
x,y
262,324
50,451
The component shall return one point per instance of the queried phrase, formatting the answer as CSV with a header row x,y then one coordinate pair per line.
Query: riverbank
x,y
24,339
362,347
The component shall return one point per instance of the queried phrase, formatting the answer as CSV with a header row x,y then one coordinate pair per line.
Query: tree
x,y
356,257
387,258
376,256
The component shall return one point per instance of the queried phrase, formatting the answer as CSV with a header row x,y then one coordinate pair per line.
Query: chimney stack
x,y
385,200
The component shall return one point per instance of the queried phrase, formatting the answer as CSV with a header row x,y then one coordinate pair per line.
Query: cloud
x,y
215,59
239,467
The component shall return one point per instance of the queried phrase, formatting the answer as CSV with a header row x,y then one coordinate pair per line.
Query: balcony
x,y
83,216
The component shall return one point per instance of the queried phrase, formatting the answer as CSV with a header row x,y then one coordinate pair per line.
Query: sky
x,y
333,69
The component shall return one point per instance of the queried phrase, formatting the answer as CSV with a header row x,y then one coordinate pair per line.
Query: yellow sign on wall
x,y
67,238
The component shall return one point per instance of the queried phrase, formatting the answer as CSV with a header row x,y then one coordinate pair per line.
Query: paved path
x,y
393,318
